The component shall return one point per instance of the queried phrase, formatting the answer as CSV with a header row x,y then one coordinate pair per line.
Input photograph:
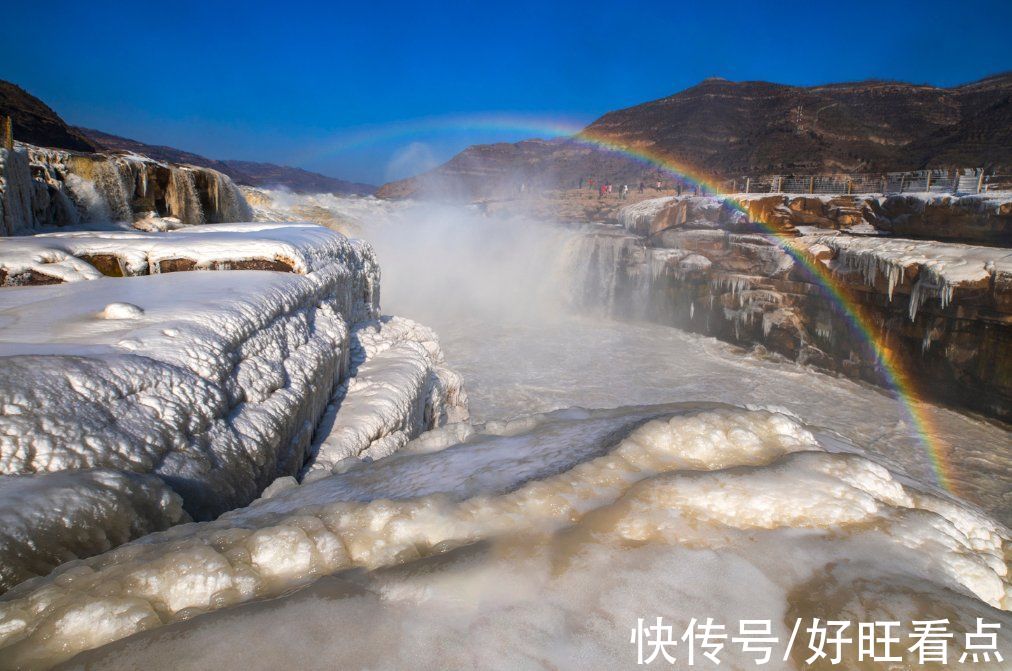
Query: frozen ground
x,y
536,545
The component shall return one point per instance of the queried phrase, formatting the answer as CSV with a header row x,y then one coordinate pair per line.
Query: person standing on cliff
x,y
642,186
625,192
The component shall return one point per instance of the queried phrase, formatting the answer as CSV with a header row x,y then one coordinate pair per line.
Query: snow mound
x,y
122,311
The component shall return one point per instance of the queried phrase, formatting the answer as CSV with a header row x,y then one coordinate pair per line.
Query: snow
x,y
751,490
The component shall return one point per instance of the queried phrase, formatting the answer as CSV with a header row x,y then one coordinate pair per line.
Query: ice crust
x,y
719,479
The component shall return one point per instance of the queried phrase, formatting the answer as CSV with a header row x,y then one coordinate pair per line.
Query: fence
x,y
962,181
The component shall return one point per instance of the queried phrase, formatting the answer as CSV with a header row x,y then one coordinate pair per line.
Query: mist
x,y
441,263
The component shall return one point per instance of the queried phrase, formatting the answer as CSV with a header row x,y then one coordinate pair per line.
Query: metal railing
x,y
962,181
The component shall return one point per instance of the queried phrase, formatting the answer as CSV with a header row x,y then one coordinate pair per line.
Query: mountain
x,y
36,123
725,129
250,173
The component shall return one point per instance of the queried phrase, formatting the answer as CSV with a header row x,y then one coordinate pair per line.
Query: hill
x,y
36,123
725,129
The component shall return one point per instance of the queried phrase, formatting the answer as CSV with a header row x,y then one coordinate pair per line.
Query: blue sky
x,y
321,85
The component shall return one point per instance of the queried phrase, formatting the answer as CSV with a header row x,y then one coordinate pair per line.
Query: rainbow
x,y
899,381
411,129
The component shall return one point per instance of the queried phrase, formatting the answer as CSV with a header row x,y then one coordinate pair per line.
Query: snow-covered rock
x,y
70,257
921,268
940,309
964,218
216,380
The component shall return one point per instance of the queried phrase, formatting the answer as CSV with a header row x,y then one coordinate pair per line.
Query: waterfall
x,y
606,272
101,188
227,201
86,197
181,197
115,183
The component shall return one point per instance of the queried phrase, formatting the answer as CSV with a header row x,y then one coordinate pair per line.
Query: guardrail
x,y
963,181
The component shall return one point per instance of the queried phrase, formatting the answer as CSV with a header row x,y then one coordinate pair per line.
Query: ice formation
x,y
400,388
50,518
940,268
15,192
49,187
570,501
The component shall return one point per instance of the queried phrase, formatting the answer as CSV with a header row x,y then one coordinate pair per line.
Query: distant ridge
x,y
725,129
36,123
